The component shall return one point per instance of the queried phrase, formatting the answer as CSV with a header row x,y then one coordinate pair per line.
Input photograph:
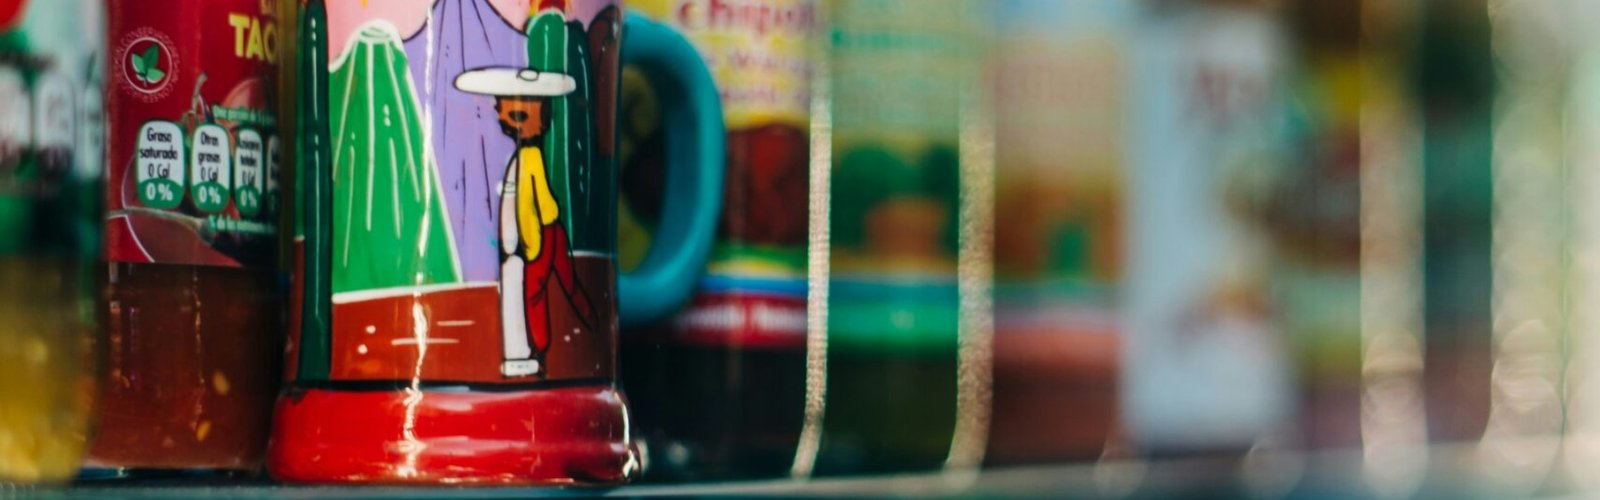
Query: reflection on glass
x,y
1393,427
1528,254
1581,446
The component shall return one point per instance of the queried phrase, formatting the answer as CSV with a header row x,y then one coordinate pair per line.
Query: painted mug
x,y
456,301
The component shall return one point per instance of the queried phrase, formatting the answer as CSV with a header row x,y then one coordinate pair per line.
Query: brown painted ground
x,y
463,332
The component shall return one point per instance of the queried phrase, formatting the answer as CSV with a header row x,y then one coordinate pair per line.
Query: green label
x,y
210,168
159,163
248,158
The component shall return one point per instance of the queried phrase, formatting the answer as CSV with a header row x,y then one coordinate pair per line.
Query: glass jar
x,y
192,310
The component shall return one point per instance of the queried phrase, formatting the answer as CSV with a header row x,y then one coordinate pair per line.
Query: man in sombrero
x,y
533,241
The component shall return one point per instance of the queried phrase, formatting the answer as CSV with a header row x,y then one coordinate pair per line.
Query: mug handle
x,y
692,117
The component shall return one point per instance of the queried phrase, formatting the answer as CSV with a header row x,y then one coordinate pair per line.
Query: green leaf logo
x,y
147,66
144,65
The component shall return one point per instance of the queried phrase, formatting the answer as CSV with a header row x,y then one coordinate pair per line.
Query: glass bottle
x,y
902,79
739,346
192,309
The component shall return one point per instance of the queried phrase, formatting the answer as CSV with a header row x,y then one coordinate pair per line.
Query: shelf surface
x,y
1452,471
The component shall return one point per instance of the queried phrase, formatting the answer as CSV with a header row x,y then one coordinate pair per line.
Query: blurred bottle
x,y
1061,78
1581,96
1311,210
1454,79
1531,266
900,73
1205,366
194,329
1389,407
739,347
51,63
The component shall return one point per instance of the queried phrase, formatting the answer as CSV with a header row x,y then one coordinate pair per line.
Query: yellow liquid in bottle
x,y
46,368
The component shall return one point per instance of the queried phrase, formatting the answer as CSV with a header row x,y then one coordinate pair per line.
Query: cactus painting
x,y
390,226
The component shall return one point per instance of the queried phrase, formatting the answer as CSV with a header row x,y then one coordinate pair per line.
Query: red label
x,y
193,145
10,13
743,318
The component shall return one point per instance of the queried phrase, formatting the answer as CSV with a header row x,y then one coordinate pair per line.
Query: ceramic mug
x,y
457,303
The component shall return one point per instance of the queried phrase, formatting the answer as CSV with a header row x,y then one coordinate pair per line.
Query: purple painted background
x,y
470,150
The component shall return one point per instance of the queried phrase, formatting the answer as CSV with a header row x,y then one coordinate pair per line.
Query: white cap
x,y
510,82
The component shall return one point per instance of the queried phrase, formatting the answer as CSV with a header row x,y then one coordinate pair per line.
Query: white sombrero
x,y
512,82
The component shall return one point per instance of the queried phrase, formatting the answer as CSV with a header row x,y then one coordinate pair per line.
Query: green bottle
x,y
900,73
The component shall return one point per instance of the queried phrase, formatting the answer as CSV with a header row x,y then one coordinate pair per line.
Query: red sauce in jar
x,y
192,314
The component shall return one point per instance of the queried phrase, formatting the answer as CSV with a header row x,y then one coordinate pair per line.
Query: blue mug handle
x,y
692,121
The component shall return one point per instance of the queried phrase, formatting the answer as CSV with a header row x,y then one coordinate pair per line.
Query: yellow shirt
x,y
536,206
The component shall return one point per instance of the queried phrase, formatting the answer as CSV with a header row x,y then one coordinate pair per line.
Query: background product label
x,y
1061,77
758,52
1204,365
900,72
192,99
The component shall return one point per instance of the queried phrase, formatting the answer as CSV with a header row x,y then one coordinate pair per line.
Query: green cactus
x,y
312,196
547,51
389,223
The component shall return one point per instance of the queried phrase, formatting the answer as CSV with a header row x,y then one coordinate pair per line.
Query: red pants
x,y
554,259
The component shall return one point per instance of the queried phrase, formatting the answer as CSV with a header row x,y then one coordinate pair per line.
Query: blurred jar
x,y
1454,77
739,345
1205,367
902,77
50,147
1311,210
192,313
1061,78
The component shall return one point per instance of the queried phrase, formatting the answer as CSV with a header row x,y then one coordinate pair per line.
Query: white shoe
x,y
520,367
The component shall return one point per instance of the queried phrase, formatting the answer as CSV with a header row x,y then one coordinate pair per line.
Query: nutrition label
x,y
191,114
247,174
209,167
160,165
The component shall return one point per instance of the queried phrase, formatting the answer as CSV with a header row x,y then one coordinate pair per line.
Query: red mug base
x,y
560,436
